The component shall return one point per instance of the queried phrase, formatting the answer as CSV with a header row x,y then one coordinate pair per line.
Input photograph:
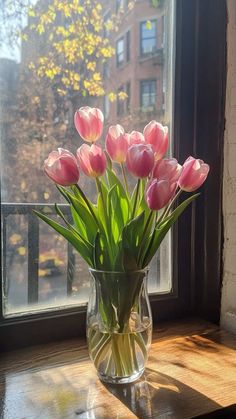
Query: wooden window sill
x,y
191,371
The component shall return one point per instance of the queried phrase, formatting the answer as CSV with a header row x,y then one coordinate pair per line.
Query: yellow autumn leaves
x,y
75,44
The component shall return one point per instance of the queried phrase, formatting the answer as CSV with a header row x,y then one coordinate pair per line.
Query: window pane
x,y
120,51
59,62
148,37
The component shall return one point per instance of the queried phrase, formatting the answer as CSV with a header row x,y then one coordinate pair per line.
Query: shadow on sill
x,y
159,395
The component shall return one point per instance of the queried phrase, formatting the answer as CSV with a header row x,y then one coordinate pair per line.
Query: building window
x,y
148,94
127,46
148,37
120,52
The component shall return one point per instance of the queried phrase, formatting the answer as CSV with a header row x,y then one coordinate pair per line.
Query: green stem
x,y
116,355
136,198
141,343
109,364
167,209
102,350
173,201
125,178
144,234
103,200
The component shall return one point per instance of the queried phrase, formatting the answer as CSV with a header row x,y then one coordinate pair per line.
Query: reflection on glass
x,y
55,57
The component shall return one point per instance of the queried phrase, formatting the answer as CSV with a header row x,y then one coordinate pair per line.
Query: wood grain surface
x,y
191,371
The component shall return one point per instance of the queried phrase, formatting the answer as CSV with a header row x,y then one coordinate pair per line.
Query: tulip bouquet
x,y
121,230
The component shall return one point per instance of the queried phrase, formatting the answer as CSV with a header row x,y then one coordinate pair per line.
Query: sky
x,y
7,51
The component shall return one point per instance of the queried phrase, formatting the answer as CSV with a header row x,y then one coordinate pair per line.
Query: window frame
x,y
142,82
198,129
128,45
142,53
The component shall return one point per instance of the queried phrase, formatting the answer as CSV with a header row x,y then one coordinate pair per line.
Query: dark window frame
x,y
143,23
128,41
199,102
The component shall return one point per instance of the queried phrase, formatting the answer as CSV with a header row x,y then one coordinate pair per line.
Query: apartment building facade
x,y
139,66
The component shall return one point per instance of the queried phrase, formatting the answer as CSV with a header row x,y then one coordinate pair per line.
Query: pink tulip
x,y
159,193
193,174
157,135
92,160
89,123
140,160
136,137
61,166
117,143
168,169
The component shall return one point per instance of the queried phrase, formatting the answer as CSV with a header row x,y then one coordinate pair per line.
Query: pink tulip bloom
x,y
61,166
157,135
193,174
117,143
136,137
92,160
140,160
89,123
168,169
159,193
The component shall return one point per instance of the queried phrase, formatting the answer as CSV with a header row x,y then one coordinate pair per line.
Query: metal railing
x,y
8,209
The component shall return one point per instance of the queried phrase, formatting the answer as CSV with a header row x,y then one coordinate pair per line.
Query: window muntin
x,y
45,280
148,37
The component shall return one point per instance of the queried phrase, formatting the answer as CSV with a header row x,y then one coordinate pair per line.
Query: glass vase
x,y
119,325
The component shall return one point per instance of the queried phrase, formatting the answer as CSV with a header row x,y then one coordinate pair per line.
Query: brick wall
x,y
228,304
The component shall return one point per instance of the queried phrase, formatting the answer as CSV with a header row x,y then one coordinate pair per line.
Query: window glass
x,y
53,60
148,93
120,52
148,37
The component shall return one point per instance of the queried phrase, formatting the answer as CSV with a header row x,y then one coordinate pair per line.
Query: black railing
x,y
8,209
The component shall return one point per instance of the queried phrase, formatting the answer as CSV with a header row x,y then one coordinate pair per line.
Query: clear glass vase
x,y
119,325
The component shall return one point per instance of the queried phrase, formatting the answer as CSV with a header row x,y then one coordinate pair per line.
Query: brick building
x,y
140,65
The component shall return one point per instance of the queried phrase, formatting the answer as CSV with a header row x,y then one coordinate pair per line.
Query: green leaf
x,y
80,226
131,238
79,195
85,215
100,254
85,249
159,233
101,213
113,180
114,214
63,191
